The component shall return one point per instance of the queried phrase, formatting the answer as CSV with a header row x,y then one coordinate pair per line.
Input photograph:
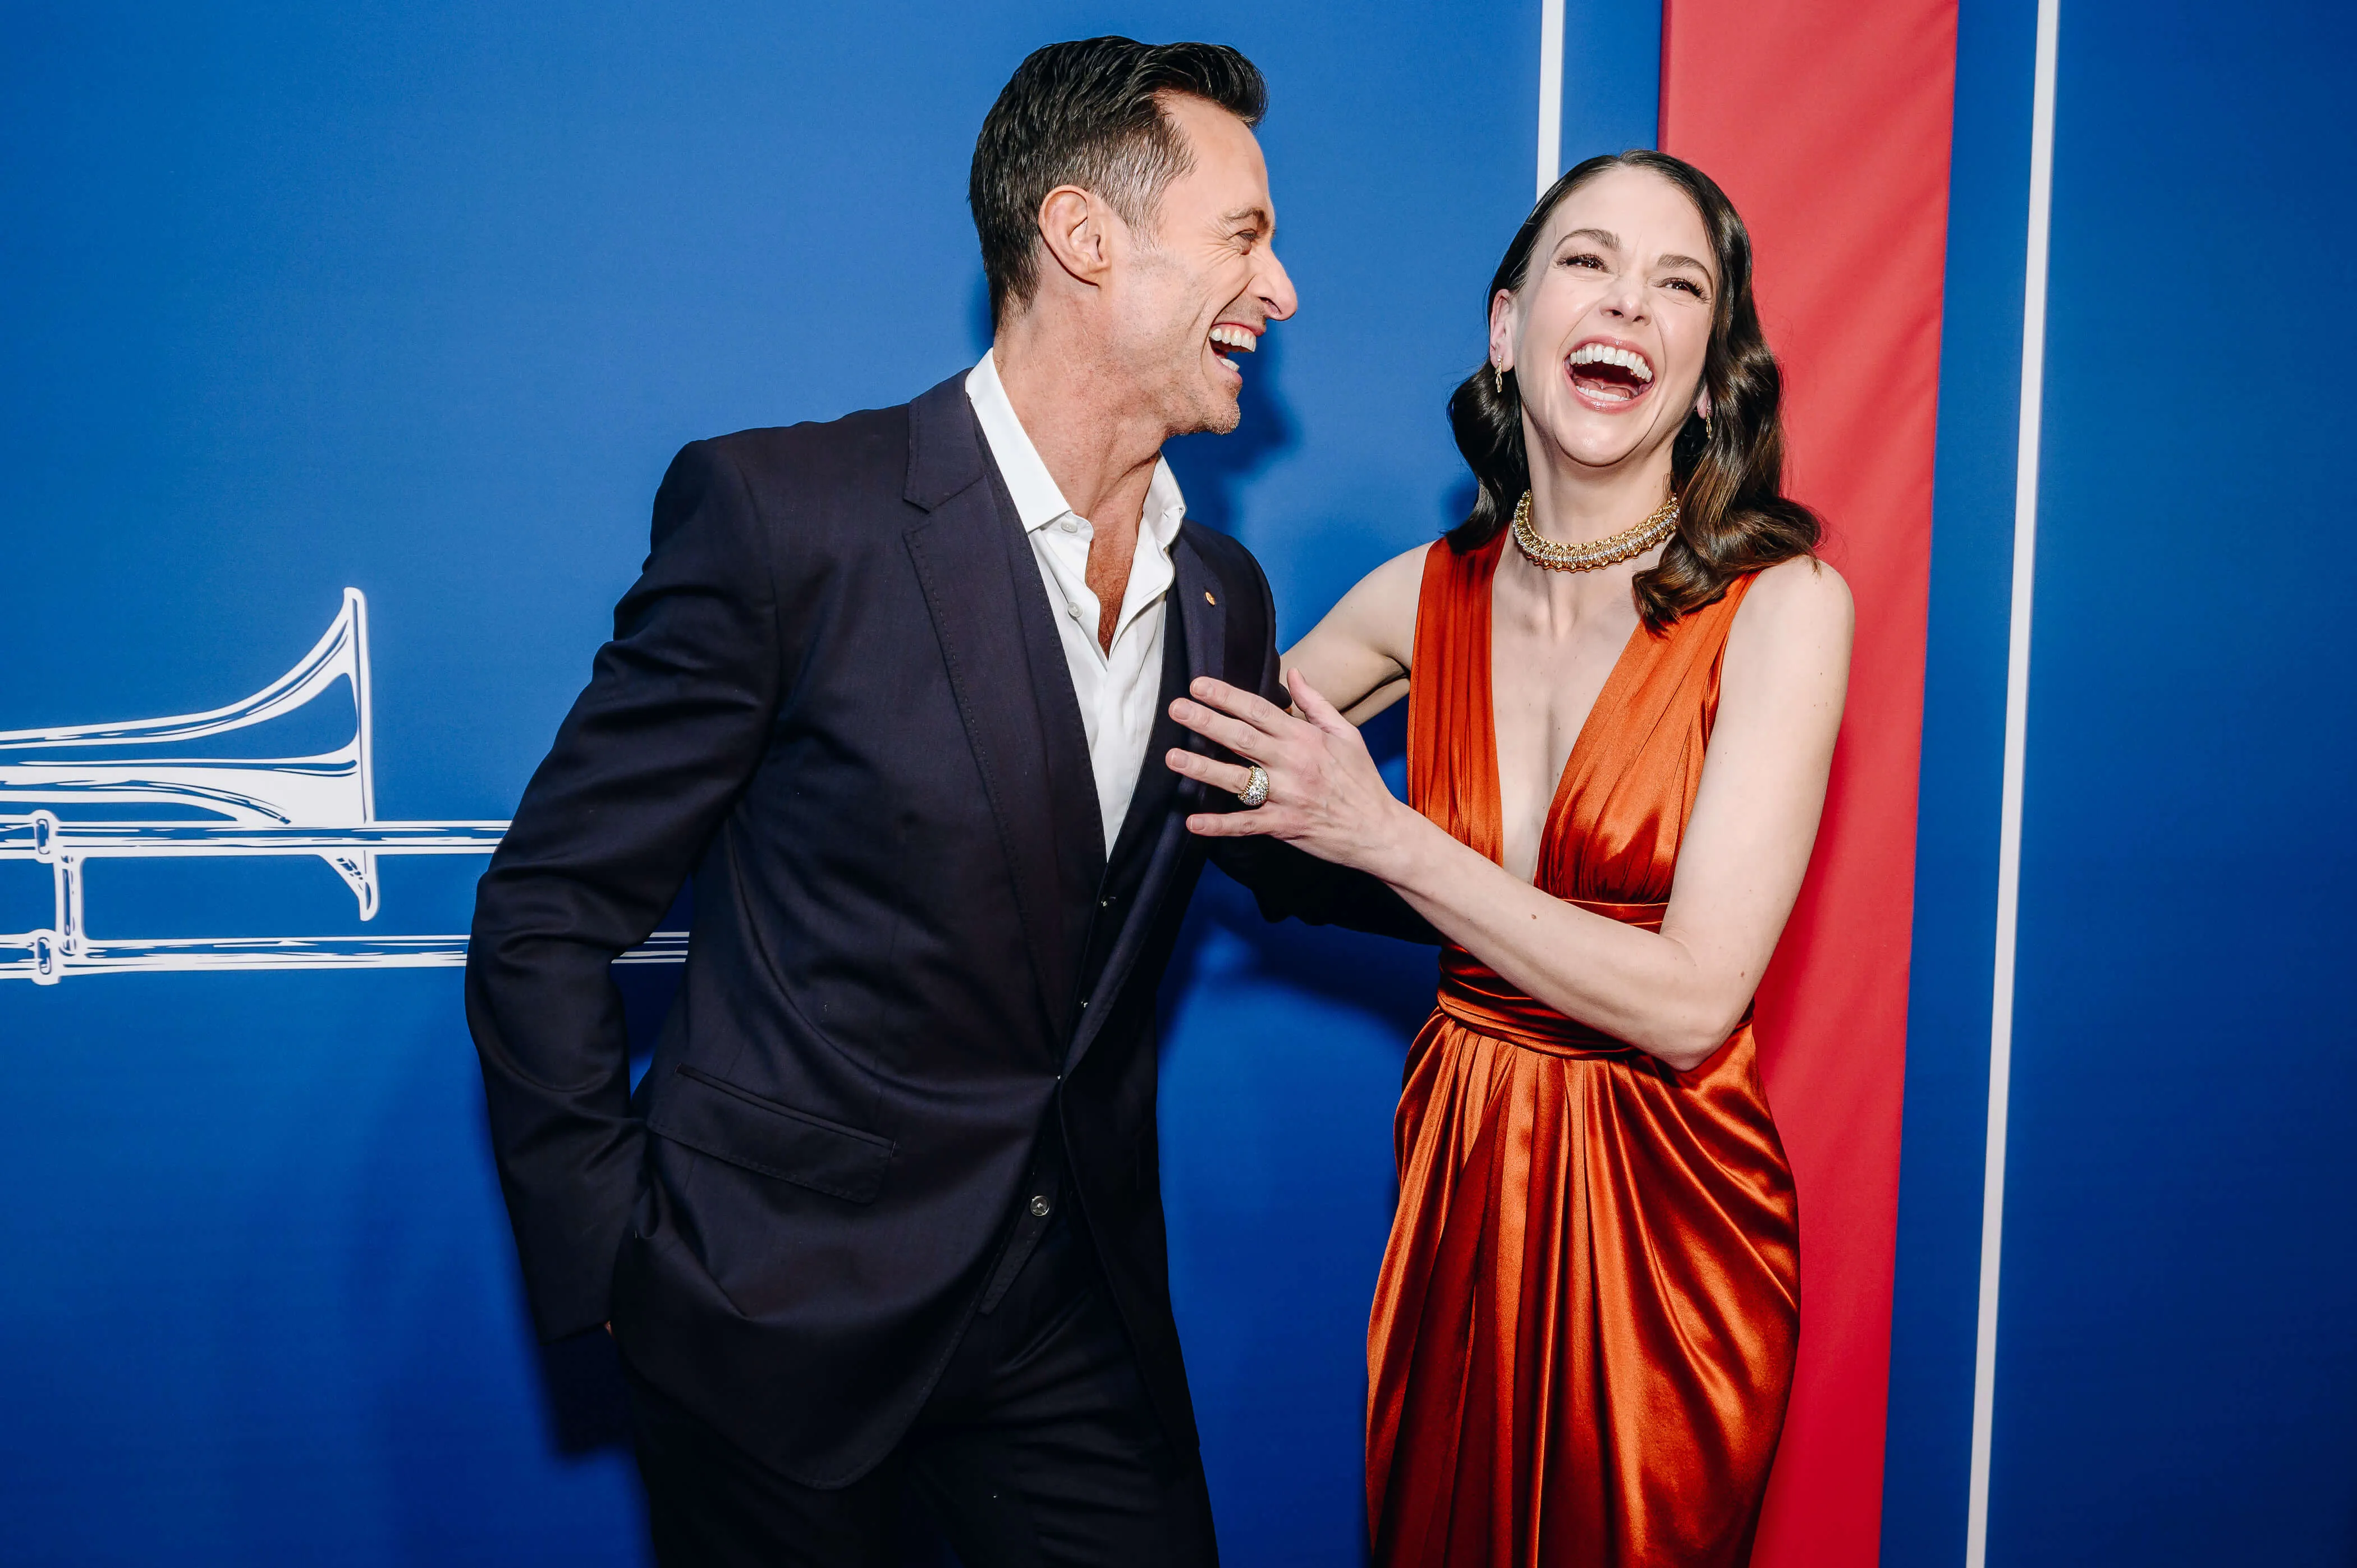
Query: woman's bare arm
x,y
1360,652
1676,994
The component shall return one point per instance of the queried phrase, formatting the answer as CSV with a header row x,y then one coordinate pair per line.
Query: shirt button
x,y
1039,1207
1069,526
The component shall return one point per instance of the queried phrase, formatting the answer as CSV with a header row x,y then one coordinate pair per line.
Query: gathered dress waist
x,y
1477,997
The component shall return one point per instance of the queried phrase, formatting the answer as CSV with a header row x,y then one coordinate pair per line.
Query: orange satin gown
x,y
1582,1338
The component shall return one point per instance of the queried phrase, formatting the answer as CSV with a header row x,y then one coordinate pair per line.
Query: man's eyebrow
x,y
1256,214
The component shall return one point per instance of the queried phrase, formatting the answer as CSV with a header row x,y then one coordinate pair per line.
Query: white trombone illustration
x,y
320,805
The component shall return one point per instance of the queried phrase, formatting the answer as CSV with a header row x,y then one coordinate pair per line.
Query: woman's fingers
x,y
1252,727
1213,725
1217,775
1237,703
1229,824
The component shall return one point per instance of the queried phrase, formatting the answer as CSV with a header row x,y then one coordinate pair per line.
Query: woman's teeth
x,y
1605,354
1603,373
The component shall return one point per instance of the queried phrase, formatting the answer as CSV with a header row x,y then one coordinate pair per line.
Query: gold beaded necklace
x,y
1541,551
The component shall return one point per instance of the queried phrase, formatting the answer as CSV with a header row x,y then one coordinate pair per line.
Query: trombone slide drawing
x,y
320,805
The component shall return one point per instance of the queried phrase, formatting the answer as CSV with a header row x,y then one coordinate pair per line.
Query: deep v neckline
x,y
1624,672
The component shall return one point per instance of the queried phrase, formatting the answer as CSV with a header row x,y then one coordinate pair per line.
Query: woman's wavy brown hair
x,y
1728,474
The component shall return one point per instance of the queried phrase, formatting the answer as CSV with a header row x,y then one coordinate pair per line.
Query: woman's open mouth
x,y
1608,377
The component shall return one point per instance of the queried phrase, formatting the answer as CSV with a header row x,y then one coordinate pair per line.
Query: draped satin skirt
x,y
1583,1335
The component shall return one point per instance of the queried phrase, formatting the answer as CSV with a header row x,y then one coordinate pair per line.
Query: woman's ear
x,y
1702,406
1502,331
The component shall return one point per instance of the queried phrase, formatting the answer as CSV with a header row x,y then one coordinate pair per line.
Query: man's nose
x,y
1276,290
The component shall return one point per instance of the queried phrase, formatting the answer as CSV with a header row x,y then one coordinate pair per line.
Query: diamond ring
x,y
1256,789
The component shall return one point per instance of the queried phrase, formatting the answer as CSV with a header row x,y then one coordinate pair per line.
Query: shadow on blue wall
x,y
1213,470
1334,966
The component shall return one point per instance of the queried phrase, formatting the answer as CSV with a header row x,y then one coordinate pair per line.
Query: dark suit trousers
x,y
1037,1449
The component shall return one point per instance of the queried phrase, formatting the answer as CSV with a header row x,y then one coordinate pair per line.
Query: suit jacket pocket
x,y
716,1117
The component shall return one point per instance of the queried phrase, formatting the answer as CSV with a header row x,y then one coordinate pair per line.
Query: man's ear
x,y
1076,228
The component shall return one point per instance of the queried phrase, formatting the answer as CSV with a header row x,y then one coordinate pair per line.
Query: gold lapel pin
x,y
1208,600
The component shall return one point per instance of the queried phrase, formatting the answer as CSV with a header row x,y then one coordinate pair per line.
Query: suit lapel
x,y
1202,604
1072,776
965,555
1202,612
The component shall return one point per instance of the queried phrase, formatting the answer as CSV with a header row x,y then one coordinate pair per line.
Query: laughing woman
x,y
1626,670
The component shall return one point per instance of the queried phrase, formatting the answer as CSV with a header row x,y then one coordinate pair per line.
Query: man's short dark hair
x,y
1090,113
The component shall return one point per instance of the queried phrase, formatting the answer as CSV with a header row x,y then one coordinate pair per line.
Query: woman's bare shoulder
x,y
1792,635
1802,597
1396,585
1378,615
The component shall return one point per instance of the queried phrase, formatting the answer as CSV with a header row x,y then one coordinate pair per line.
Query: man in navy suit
x,y
885,1212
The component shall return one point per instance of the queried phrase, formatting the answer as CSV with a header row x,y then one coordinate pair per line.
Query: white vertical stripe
x,y
2017,724
1550,93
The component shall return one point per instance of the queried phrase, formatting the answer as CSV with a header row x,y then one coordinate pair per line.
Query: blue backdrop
x,y
2175,1376
421,299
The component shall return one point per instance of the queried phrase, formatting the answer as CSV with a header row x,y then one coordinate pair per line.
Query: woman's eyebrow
x,y
1677,261
1604,237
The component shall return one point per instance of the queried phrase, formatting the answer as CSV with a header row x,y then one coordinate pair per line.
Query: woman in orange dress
x,y
1626,670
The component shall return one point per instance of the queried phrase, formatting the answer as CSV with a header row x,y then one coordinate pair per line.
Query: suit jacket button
x,y
1039,1207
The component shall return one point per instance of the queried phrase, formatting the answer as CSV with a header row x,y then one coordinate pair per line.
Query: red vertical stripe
x,y
1827,123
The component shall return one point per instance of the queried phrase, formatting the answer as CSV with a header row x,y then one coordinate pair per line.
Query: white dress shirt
x,y
1120,692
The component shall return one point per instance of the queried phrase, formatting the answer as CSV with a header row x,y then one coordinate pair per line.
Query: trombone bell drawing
x,y
164,797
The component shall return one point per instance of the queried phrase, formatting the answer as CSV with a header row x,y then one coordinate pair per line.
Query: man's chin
x,y
1214,410
1218,414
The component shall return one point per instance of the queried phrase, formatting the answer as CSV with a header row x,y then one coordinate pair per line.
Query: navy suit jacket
x,y
836,698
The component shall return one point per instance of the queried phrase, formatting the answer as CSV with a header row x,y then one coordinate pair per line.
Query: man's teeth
x,y
1605,354
1235,337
